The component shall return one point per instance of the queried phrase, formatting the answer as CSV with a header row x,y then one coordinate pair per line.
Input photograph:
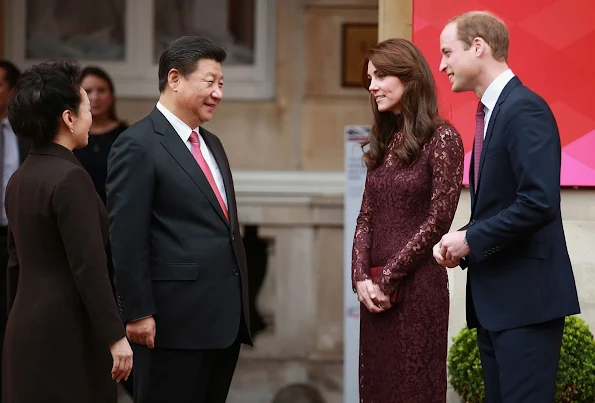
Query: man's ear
x,y
480,46
173,79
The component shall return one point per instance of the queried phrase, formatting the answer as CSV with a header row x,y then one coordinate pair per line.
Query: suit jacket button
x,y
235,272
472,222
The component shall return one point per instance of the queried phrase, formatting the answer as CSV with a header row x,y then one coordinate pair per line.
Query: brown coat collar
x,y
56,150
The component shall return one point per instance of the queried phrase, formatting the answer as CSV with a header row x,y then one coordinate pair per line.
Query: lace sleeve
x,y
446,163
362,241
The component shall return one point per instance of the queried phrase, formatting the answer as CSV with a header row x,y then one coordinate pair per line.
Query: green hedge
x,y
576,370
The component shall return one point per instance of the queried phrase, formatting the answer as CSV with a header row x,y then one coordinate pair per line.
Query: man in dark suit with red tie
x,y
520,284
179,261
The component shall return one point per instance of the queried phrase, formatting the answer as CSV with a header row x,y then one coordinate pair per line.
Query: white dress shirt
x,y
184,131
11,161
491,95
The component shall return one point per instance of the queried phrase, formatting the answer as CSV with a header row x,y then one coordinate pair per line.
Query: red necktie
x,y
196,152
478,145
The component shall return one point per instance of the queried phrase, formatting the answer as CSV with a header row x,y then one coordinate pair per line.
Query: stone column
x,y
395,19
291,76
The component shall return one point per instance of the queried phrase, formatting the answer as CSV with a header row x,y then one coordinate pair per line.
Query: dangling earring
x,y
71,129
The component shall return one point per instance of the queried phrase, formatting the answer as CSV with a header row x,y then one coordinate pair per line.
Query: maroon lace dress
x,y
405,211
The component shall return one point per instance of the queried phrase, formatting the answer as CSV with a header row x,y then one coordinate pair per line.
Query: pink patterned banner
x,y
550,44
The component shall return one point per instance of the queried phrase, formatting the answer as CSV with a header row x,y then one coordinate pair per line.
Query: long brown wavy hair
x,y
419,118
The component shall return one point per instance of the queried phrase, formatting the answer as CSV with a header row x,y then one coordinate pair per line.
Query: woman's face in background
x,y
100,95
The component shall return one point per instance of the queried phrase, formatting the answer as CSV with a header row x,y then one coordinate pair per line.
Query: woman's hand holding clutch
x,y
366,294
370,295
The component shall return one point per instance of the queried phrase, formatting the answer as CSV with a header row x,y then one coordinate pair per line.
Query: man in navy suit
x,y
520,284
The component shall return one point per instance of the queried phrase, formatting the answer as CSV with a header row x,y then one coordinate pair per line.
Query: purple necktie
x,y
478,144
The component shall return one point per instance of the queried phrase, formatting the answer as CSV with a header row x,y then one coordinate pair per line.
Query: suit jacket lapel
x,y
178,150
472,174
507,89
486,142
221,160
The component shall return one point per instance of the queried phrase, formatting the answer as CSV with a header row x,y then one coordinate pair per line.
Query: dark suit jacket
x,y
175,255
62,310
519,269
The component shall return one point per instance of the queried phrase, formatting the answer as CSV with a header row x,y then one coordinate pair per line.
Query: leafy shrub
x,y
576,370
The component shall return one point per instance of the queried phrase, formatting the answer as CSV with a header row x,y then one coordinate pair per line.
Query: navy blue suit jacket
x,y
519,269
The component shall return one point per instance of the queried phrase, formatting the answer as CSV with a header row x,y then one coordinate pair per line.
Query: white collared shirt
x,y
491,95
184,131
11,161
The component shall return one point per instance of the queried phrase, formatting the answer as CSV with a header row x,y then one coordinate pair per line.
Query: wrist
x,y
467,247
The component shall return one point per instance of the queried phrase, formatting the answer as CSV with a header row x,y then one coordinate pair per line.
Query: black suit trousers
x,y
520,365
183,376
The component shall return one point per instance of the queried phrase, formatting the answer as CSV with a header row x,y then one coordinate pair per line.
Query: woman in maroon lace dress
x,y
415,169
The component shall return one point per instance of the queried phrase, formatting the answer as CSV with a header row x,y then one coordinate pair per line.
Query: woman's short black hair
x,y
40,96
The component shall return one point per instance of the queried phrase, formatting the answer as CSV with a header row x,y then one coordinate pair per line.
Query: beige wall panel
x,y
395,19
324,123
324,49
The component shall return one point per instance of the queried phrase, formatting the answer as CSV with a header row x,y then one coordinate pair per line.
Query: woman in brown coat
x,y
63,321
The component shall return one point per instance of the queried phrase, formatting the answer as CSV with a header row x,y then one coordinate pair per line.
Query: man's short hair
x,y
184,53
485,25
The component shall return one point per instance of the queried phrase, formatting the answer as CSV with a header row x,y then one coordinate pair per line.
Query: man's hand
x,y
368,294
442,259
453,246
142,331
